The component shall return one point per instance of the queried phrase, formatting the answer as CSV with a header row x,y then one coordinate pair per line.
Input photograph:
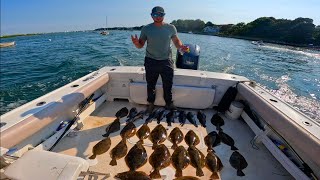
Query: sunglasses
x,y
157,14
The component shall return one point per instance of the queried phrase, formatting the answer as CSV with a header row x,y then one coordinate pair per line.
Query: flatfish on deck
x,y
170,117
217,121
138,116
214,164
133,111
159,159
122,113
182,118
101,147
128,131
212,140
180,160
136,157
162,114
119,151
158,135
154,115
143,132
175,137
197,160
113,127
238,162
226,139
191,138
192,118
133,175
202,118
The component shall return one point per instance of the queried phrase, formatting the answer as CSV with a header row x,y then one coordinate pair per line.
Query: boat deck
x,y
261,164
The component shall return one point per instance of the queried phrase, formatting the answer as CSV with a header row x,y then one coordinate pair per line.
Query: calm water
x,y
40,64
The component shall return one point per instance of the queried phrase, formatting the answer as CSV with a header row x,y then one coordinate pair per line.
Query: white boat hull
x,y
7,44
28,125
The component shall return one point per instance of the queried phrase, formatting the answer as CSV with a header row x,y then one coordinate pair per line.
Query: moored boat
x,y
7,44
258,43
105,32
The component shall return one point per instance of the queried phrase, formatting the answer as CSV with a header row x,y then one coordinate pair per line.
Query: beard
x,y
158,20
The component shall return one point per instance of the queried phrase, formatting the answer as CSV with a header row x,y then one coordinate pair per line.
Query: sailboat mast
x,y
106,23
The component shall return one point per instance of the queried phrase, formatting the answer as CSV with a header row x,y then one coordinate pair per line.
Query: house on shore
x,y
211,30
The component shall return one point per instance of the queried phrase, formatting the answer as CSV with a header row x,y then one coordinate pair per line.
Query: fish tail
x,y
214,176
123,139
240,173
178,173
140,141
174,146
113,162
93,156
154,146
234,148
155,174
199,172
106,134
210,149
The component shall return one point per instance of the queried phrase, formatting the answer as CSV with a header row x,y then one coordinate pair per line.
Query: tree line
x,y
299,31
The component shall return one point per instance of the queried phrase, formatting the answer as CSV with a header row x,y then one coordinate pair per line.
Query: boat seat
x,y
182,96
38,164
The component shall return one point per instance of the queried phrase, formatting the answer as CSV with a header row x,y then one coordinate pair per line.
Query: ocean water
x,y
39,64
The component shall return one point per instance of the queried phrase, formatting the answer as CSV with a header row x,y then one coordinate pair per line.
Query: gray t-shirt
x,y
158,40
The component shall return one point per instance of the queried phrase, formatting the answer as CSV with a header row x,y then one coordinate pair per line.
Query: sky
x,y
41,16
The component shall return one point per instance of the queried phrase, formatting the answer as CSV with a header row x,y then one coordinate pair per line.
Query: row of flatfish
x,y
181,115
160,114
160,158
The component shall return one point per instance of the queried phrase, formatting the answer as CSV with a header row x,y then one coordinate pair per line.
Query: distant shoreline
x,y
200,33
261,39
274,42
16,35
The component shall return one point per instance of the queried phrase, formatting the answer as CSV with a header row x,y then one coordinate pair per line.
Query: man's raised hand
x,y
135,39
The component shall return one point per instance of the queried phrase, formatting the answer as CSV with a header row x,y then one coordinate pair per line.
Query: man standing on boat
x,y
158,59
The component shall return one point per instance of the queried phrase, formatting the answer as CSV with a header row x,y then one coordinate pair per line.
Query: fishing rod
x,y
303,166
82,106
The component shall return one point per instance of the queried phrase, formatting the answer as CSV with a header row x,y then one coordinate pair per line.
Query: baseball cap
x,y
158,9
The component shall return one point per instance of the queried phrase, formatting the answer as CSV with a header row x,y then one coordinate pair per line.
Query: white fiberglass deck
x,y
261,164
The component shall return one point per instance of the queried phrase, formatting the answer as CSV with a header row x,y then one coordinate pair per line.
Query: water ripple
x,y
40,64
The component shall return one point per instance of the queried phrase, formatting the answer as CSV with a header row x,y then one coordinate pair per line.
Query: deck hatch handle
x,y
41,103
273,100
306,123
75,85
